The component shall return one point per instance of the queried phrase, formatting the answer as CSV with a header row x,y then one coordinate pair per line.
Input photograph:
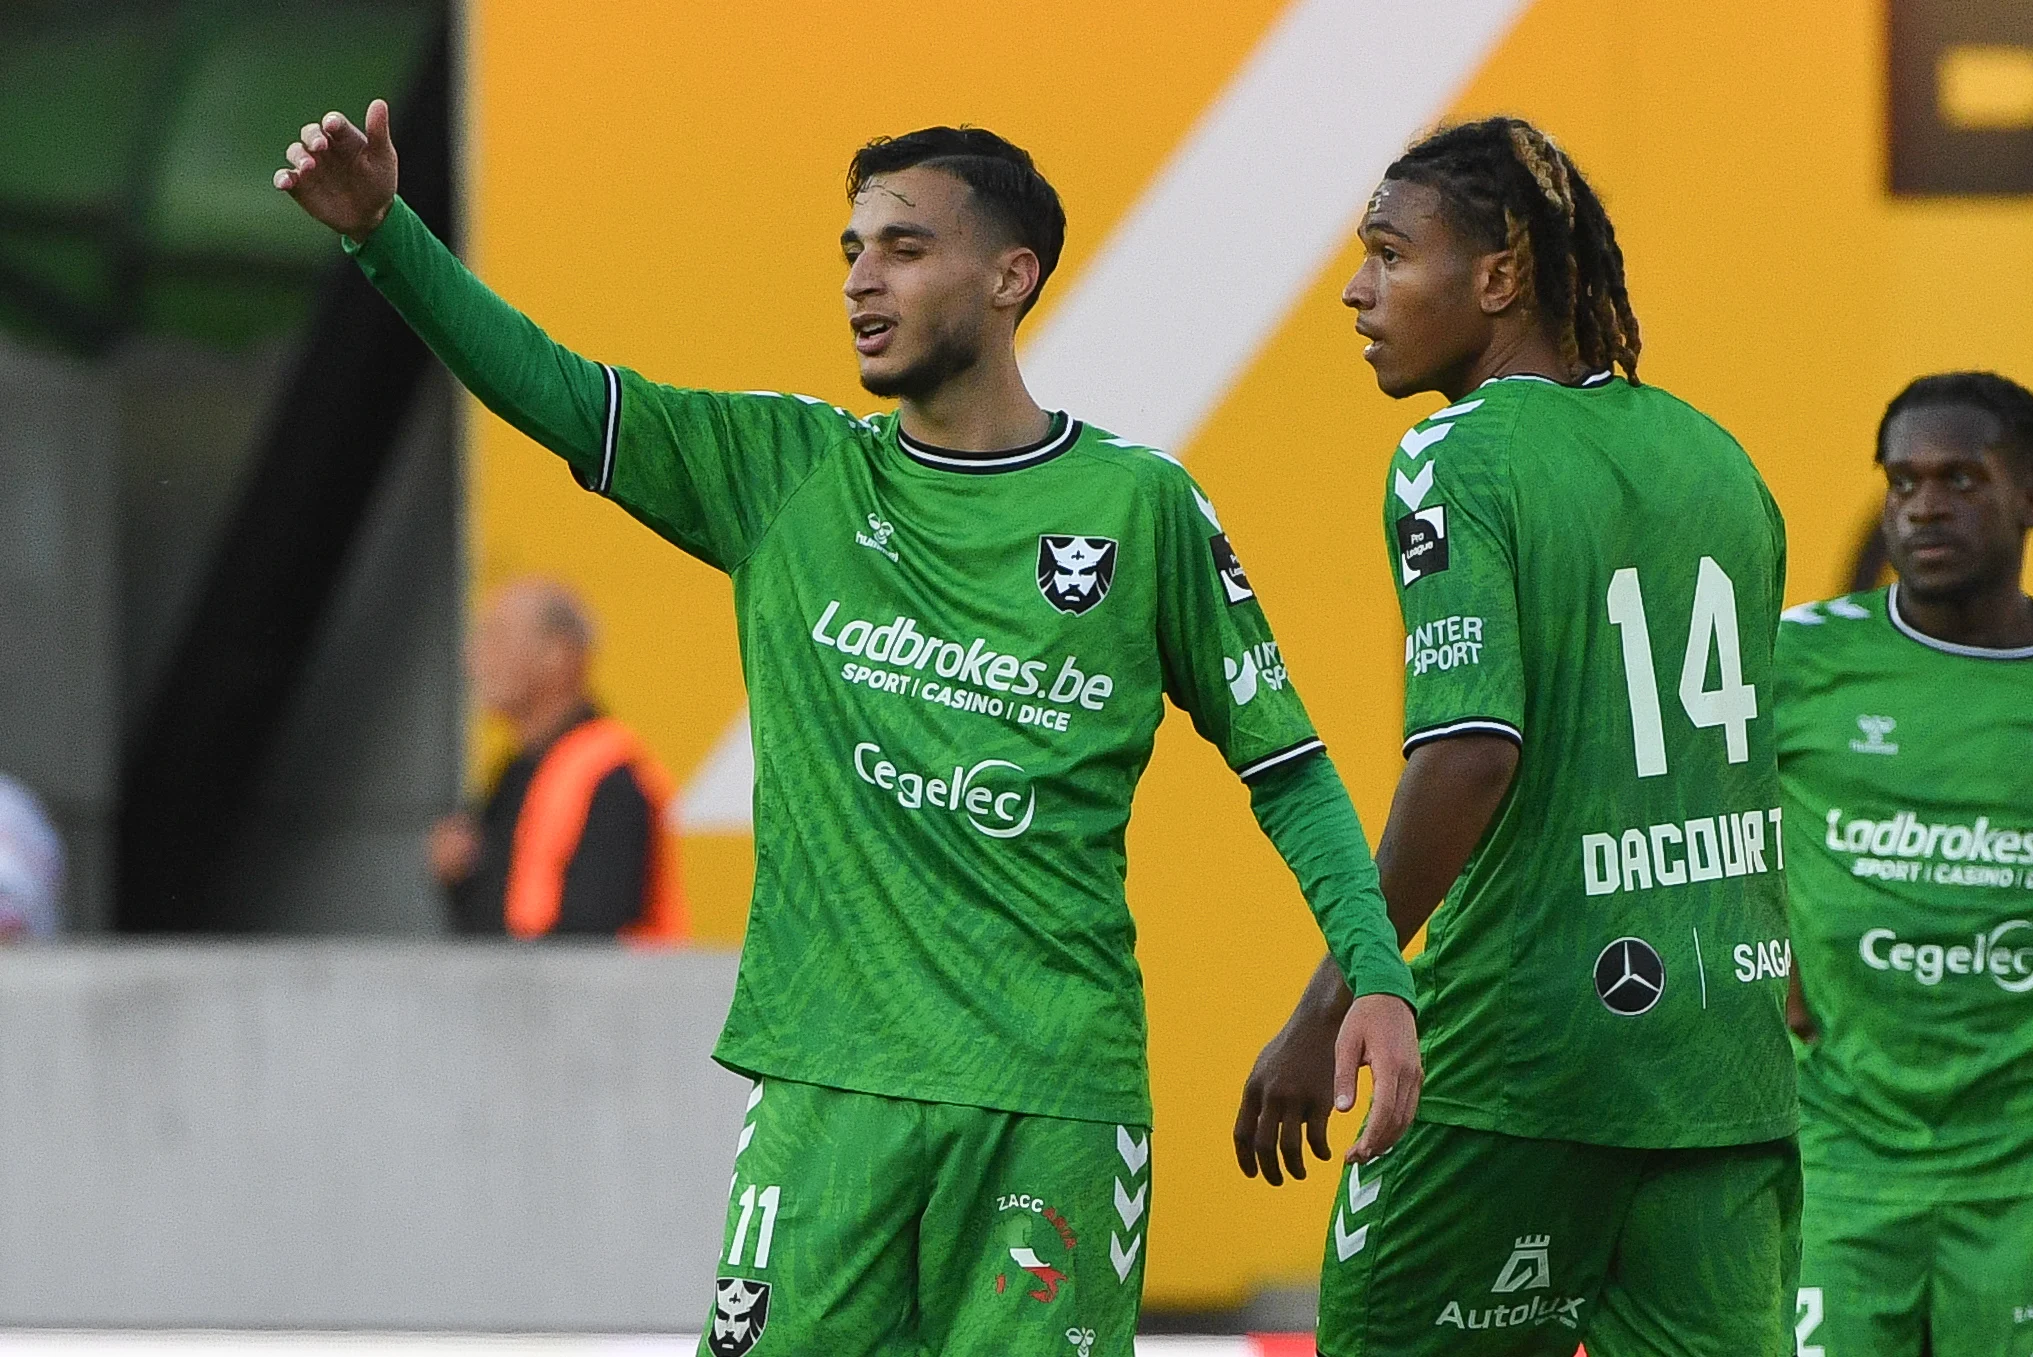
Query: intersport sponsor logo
x,y
995,796
2005,954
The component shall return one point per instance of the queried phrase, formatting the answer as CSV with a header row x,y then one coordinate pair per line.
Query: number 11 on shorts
x,y
767,1199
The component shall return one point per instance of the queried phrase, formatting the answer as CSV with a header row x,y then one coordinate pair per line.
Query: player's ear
x,y
1017,277
1499,282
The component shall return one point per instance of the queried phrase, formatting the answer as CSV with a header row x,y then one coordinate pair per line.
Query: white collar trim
x,y
1947,647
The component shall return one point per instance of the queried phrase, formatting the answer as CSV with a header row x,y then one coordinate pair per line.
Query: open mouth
x,y
871,333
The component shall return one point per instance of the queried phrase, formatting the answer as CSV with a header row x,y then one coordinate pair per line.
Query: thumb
x,y
377,126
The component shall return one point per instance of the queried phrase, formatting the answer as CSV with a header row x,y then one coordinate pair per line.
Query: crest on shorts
x,y
1074,572
740,1313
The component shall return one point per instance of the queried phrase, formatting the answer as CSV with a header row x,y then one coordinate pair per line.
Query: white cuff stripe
x,y
609,435
1269,761
1483,725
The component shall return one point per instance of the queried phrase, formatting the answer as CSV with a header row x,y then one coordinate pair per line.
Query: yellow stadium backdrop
x,y
659,184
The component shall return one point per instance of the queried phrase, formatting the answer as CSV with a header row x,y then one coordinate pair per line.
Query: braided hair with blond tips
x,y
1507,185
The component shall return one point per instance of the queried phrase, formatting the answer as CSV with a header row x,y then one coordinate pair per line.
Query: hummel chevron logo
x,y
1455,411
1135,1153
1414,443
1131,1209
1347,1245
1412,491
1347,1242
1124,1259
1206,508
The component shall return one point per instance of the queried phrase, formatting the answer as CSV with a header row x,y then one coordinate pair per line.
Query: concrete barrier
x,y
432,1136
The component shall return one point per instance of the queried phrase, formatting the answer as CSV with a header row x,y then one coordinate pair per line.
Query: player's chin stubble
x,y
945,360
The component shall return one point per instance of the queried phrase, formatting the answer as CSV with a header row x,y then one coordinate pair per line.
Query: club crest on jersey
x,y
1074,572
740,1313
1422,543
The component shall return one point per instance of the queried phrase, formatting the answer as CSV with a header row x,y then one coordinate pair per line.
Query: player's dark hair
x,y
2003,399
1006,185
1506,184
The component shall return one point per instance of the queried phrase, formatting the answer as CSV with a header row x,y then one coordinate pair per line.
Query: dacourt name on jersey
x,y
1706,849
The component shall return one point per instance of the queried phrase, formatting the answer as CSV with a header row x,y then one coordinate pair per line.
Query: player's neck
x,y
1515,350
985,409
1997,617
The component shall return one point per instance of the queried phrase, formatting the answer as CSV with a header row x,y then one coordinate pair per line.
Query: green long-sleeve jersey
x,y
956,665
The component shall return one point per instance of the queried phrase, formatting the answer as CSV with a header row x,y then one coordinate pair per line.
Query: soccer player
x,y
959,622
1590,575
1906,757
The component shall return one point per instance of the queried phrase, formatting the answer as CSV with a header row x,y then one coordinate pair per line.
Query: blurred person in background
x,y
31,866
1905,721
571,838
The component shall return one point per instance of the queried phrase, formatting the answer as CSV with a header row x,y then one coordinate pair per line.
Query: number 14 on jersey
x,y
1713,626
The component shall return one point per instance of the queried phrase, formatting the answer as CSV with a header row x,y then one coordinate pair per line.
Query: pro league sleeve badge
x,y
1422,543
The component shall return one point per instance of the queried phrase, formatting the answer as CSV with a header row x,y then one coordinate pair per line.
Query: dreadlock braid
x,y
1507,185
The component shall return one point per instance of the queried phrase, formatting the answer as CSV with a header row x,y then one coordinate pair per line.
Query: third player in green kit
x,y
1590,575
1906,752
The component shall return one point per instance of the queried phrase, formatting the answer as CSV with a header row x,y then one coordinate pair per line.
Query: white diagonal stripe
x,y
1361,1194
755,1095
1135,1153
1151,340
1455,411
1284,159
747,1134
720,799
1131,1209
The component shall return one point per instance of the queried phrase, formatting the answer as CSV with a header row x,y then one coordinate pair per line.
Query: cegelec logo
x,y
2005,954
995,795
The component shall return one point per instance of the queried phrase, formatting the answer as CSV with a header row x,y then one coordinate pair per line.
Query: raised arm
x,y
706,470
345,177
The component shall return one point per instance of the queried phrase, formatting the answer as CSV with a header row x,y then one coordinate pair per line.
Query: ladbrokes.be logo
x,y
995,796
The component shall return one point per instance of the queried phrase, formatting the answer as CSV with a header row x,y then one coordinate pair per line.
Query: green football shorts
x,y
860,1225
1467,1243
1881,1279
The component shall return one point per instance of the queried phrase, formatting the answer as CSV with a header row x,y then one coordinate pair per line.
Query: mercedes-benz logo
x,y
1629,977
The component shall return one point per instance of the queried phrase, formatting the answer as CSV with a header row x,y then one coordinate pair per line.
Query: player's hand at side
x,y
1379,1032
341,174
1289,1095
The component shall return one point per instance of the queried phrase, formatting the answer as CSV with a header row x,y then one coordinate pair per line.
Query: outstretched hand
x,y
1379,1032
343,175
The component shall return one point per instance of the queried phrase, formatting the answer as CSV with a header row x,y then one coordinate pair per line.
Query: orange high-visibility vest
x,y
553,820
